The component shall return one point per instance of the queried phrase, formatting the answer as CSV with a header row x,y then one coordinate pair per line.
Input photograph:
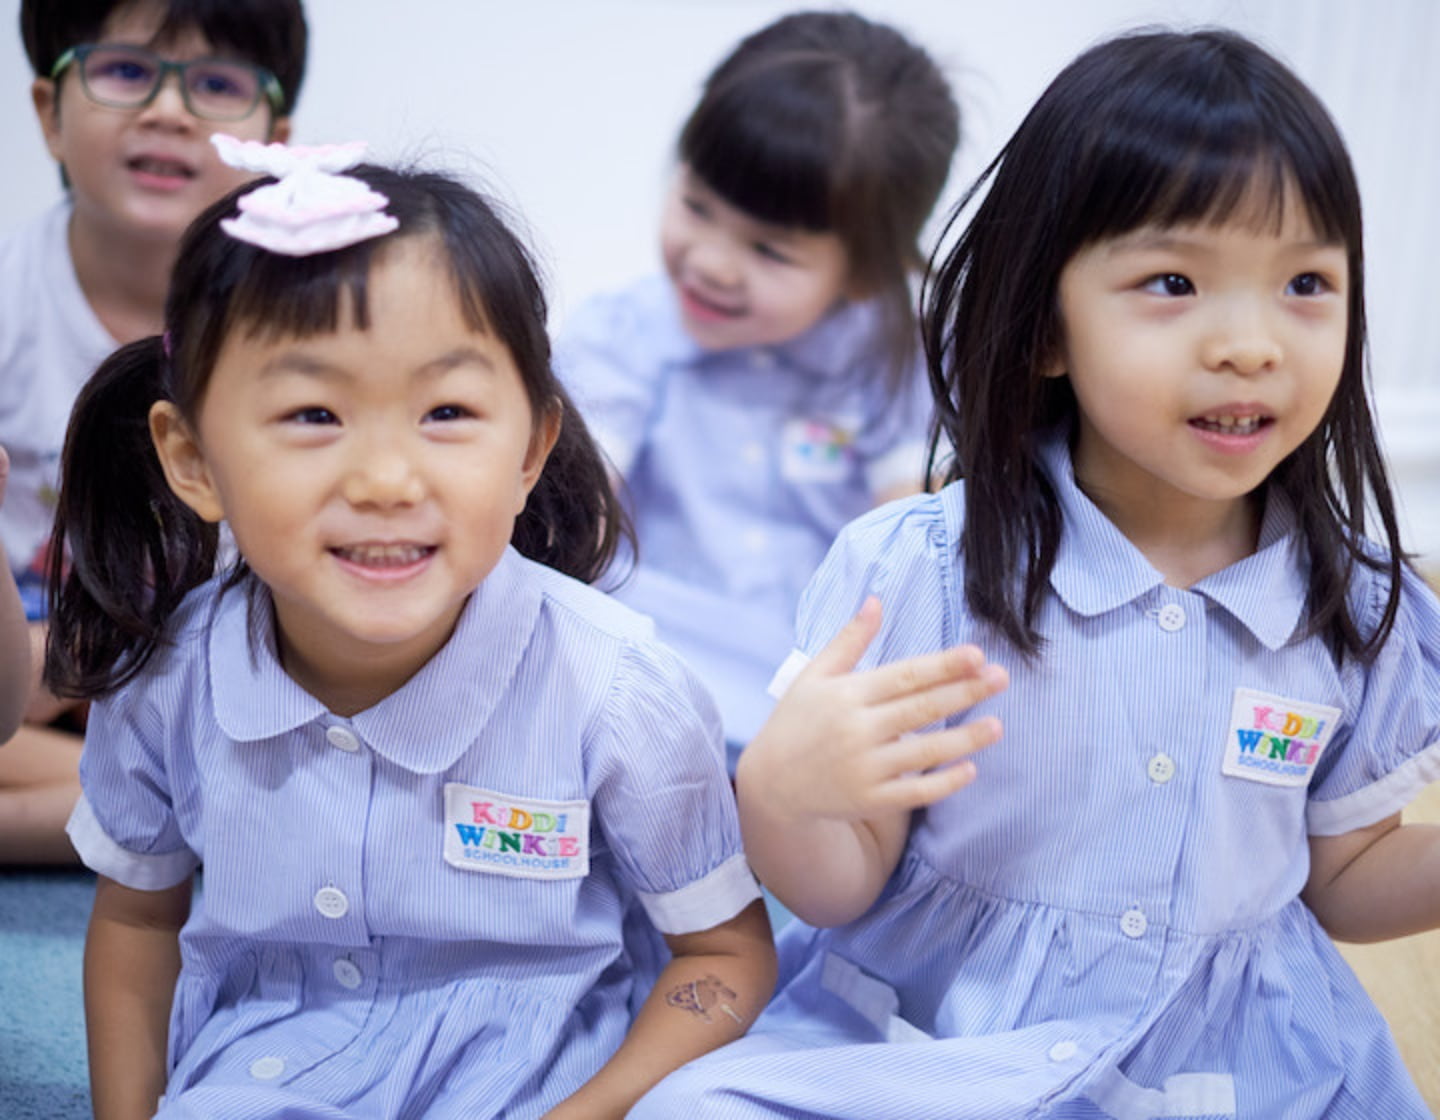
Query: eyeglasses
x,y
129,77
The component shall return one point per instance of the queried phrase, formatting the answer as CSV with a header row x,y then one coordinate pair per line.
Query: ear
x,y
542,442
1056,363
45,96
280,130
184,462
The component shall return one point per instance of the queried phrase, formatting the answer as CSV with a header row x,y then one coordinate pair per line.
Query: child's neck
x,y
1186,541
123,279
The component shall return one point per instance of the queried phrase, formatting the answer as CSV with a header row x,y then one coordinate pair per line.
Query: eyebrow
x,y
1149,240
294,362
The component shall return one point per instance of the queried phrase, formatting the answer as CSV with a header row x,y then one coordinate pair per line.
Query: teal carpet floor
x,y
42,1020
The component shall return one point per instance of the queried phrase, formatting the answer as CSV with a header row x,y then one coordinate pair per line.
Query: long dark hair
x,y
830,122
128,549
1157,128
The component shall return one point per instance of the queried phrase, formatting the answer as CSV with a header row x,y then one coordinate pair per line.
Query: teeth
x,y
1232,425
383,555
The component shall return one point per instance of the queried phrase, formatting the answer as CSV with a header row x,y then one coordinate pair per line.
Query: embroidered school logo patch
x,y
817,450
1275,740
519,836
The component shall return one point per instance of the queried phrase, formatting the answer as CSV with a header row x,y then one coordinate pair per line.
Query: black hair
x,y
128,549
1153,128
829,122
268,33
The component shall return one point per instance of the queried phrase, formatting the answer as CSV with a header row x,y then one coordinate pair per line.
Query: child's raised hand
x,y
4,472
846,745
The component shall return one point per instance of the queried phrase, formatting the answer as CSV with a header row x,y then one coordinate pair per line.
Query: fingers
x,y
916,754
931,767
932,701
847,647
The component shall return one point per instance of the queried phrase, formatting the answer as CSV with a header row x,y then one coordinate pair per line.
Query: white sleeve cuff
x,y
901,466
705,903
1378,800
784,677
142,872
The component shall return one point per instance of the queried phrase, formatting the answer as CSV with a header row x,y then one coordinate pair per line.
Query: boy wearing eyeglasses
x,y
127,94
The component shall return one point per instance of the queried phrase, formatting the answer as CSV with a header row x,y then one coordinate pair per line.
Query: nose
x,y
381,475
714,260
168,105
1242,339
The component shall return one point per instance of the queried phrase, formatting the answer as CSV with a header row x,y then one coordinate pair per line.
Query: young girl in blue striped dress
x,y
431,776
769,388
1221,693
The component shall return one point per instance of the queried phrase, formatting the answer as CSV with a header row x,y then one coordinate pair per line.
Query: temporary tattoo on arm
x,y
700,997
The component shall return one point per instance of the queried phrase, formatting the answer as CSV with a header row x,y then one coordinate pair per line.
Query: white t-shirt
x,y
50,343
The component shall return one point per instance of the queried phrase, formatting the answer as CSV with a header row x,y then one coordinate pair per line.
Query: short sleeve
x,y
1391,747
663,798
900,553
124,825
605,359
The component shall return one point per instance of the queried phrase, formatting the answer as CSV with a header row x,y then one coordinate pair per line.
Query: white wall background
x,y
568,111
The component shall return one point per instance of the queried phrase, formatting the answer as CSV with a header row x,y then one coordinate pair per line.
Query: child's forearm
x,y
712,990
132,960
1378,883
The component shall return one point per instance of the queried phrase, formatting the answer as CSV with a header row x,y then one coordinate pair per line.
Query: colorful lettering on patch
x,y
1275,740
524,837
817,449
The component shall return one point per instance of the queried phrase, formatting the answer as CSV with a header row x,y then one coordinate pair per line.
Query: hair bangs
x,y
1212,146
769,144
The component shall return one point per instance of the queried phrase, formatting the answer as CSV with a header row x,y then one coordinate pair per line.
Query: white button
x,y
1134,923
267,1069
1172,617
1063,1051
343,738
753,453
331,902
756,540
347,973
1161,769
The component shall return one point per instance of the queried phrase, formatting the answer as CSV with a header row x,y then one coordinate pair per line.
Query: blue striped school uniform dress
x,y
740,468
1107,922
420,910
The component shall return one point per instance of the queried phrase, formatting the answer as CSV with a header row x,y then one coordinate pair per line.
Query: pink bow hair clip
x,y
312,208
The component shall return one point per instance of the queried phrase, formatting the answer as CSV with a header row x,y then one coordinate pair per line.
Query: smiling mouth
x,y
383,556
709,307
1231,425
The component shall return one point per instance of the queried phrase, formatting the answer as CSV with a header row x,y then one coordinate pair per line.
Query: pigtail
x,y
574,521
125,550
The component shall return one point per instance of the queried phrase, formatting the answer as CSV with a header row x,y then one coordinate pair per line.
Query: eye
x,y
1308,284
771,252
213,83
449,412
126,70
1169,284
314,414
695,205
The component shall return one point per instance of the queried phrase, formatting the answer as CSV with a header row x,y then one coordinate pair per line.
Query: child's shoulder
x,y
644,310
905,551
30,256
599,613
917,523
1417,614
